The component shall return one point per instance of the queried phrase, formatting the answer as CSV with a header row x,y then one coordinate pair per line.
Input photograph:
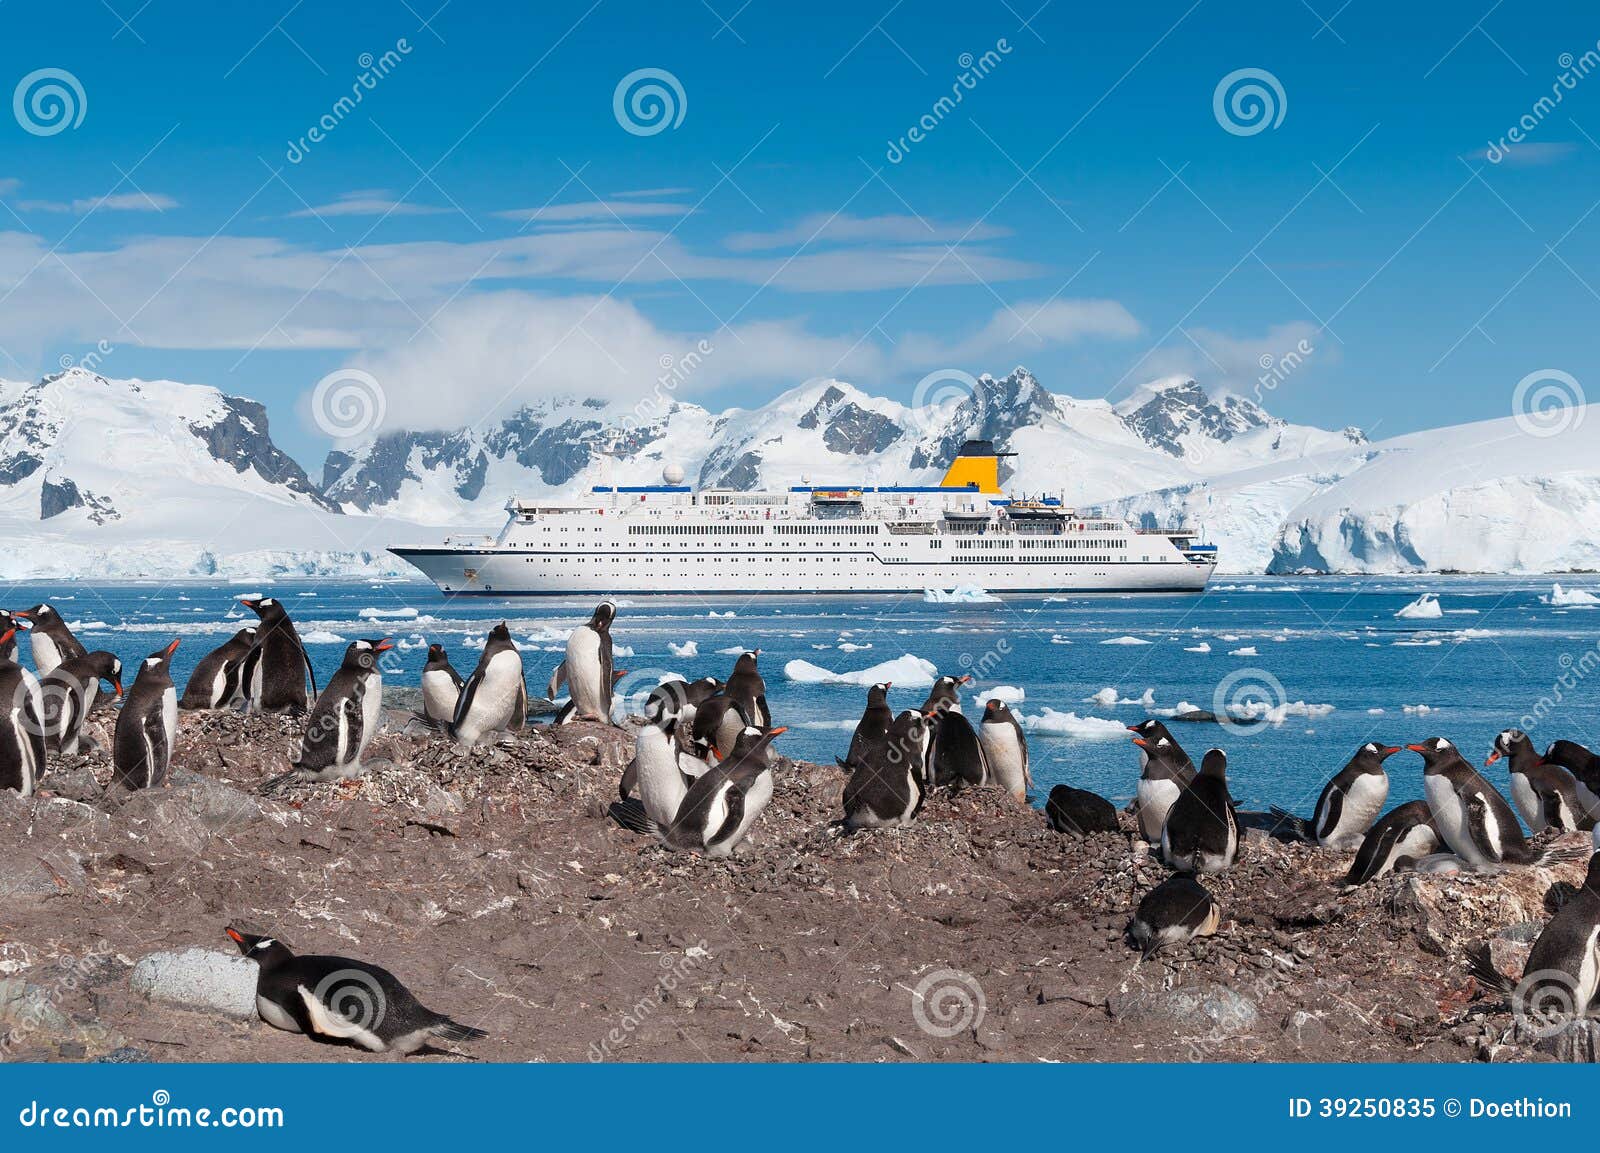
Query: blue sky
x,y
481,228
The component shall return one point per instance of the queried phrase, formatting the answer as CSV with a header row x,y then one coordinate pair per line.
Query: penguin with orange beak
x,y
346,715
147,726
52,641
71,691
21,724
1349,803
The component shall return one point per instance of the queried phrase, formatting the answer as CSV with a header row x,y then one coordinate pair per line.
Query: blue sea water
x,y
1499,656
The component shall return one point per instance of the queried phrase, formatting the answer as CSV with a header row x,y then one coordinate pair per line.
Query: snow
x,y
686,649
960,595
907,671
1569,597
1052,723
1425,608
1125,641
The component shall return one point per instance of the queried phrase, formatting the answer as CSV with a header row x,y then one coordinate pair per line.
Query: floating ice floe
x,y
387,614
87,626
1425,608
1247,651
1277,714
1052,723
1006,694
1375,712
909,671
1418,644
1567,598
321,637
1202,647
1109,698
1417,710
960,595
715,613
1058,639
1126,641
851,647
735,650
621,650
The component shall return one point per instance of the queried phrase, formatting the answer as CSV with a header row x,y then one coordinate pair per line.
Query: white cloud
x,y
1238,363
376,202
821,228
1024,327
596,210
122,202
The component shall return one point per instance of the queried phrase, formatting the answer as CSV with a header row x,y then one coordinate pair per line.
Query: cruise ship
x,y
671,539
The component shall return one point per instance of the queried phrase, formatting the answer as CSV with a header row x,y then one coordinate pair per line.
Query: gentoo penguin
x,y
872,729
22,749
441,687
9,627
1175,912
1562,974
1201,834
218,680
346,715
746,686
51,639
888,784
1544,794
690,695
958,755
338,999
1005,749
1583,765
1472,818
1079,811
586,671
495,698
655,747
1349,803
1397,842
720,807
1165,770
147,726
70,691
944,695
718,721
275,669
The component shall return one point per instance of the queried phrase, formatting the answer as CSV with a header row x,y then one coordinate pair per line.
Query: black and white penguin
x,y
495,698
888,784
9,650
1562,976
346,716
50,638
1584,766
872,730
147,726
1349,803
1396,842
1078,811
1175,912
958,755
718,721
1545,795
587,668
660,771
275,670
441,687
338,999
1005,749
218,680
22,745
1201,833
944,695
746,686
70,692
1471,816
719,808
1165,770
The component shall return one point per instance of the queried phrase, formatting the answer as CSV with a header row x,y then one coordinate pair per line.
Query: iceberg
x,y
908,671
1052,723
1569,597
960,595
1425,608
686,649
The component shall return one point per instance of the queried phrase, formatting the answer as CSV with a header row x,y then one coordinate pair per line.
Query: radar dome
x,y
672,474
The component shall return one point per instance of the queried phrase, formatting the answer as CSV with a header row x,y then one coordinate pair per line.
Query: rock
x,y
1578,1040
1306,1030
1208,1007
202,979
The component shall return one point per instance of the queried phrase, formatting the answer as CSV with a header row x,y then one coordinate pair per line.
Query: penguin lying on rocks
x,y
218,680
656,758
1175,912
1562,976
1546,795
889,783
1079,812
1395,843
1349,803
338,999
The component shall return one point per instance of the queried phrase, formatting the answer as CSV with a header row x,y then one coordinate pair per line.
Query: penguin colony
x,y
702,773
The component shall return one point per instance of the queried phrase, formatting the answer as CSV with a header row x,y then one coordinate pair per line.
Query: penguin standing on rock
x,y
1201,834
1397,842
1349,803
147,726
1471,816
1545,795
495,698
218,680
1175,912
958,755
441,687
346,715
70,692
888,784
718,721
22,746
1165,771
1583,765
872,729
9,628
276,668
1562,976
747,688
719,808
587,669
337,999
52,641
1005,750
660,771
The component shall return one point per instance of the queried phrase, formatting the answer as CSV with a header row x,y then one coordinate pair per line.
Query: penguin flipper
x,y
557,679
762,712
519,711
1331,811
33,723
630,779
1297,827
311,672
566,714
730,823
630,814
1551,805
1477,810
1480,966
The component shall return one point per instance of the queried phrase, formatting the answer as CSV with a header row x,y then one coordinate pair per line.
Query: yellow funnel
x,y
976,466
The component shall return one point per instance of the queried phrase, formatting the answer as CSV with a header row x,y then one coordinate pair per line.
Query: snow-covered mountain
x,y
154,478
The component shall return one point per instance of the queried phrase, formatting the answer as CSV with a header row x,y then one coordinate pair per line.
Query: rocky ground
x,y
494,884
